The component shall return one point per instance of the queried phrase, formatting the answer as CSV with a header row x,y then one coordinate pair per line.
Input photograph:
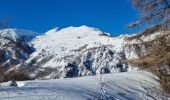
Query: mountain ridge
x,y
78,51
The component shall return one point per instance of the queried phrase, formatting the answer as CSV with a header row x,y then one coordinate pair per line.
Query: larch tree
x,y
157,59
156,12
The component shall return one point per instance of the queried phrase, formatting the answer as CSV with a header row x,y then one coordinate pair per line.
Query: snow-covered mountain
x,y
14,46
75,52
17,34
69,52
80,51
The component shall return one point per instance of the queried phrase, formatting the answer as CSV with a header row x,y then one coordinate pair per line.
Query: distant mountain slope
x,y
17,34
14,46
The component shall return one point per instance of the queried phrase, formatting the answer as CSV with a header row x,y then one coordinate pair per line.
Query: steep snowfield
x,y
122,86
63,42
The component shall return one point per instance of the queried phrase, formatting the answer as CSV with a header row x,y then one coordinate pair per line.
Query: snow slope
x,y
121,86
65,42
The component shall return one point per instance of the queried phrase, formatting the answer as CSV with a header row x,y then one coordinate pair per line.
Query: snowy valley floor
x,y
139,85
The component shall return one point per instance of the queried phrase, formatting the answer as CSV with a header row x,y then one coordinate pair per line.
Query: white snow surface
x,y
138,85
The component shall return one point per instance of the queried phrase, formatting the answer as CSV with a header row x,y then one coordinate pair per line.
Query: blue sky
x,y
41,15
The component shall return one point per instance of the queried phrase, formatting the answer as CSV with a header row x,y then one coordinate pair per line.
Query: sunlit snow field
x,y
121,86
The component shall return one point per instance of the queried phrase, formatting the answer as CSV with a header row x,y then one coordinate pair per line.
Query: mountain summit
x,y
77,51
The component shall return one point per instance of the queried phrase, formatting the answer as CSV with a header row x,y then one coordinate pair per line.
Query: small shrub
x,y
16,75
2,72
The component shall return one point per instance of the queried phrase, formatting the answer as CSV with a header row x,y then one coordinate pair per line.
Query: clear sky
x,y
42,15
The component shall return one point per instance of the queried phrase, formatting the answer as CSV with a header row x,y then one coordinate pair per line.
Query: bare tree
x,y
152,11
157,59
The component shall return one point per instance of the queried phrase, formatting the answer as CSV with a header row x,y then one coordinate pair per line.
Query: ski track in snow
x,y
102,86
104,94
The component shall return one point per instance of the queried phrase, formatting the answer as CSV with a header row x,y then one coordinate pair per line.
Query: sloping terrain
x,y
121,86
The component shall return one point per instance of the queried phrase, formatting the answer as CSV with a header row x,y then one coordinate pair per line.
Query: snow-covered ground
x,y
121,86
